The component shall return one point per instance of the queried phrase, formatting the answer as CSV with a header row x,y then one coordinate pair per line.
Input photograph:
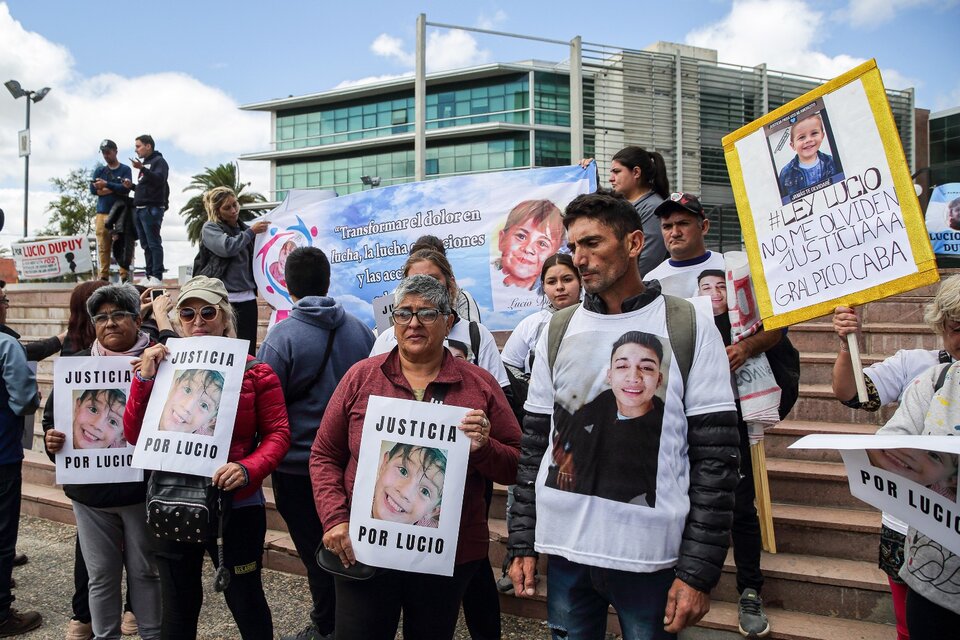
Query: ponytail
x,y
653,170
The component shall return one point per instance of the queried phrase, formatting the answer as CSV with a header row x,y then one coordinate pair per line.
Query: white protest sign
x,y
90,394
408,493
189,420
826,202
382,310
913,478
52,258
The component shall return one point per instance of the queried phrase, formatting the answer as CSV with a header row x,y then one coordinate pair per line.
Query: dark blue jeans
x,y
579,595
10,482
148,221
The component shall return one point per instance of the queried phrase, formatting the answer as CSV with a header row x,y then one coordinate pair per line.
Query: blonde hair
x,y
225,308
945,306
214,199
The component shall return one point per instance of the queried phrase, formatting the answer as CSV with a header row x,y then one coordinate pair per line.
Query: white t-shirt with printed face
x,y
488,358
681,281
523,340
592,507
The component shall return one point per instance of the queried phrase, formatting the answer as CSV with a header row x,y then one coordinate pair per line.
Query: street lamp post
x,y
32,96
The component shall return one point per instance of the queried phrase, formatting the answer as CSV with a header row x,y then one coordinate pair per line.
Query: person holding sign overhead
x,y
261,437
418,368
110,517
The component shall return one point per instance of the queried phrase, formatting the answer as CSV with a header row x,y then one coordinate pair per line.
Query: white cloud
x,y
195,126
492,21
872,13
753,33
948,99
371,80
447,49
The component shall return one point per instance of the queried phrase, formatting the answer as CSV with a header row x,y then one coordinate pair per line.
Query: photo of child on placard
x,y
803,151
935,470
623,413
409,487
98,418
193,403
277,267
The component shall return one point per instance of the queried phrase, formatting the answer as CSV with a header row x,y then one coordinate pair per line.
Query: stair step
x,y
803,481
851,534
821,586
817,403
777,440
720,623
878,337
816,367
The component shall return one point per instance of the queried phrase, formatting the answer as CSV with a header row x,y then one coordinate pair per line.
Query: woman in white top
x,y
560,284
886,383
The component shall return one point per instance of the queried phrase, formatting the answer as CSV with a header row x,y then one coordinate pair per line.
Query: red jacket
x,y
333,459
262,414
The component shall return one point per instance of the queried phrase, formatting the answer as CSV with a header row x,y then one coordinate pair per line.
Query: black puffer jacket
x,y
713,450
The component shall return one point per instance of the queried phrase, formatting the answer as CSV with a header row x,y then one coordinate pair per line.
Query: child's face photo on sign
x,y
598,419
409,488
193,403
936,470
804,153
532,232
98,418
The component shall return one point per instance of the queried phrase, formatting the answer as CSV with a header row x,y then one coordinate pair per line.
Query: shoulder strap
x,y
558,327
682,331
323,365
941,378
475,342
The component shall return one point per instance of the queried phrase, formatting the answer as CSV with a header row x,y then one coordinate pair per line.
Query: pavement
x,y
45,584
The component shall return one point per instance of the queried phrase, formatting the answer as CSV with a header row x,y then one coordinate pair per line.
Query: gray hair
x,y
124,296
945,306
427,287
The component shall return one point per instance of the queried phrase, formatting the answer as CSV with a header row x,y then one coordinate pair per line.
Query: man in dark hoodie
x,y
150,199
310,351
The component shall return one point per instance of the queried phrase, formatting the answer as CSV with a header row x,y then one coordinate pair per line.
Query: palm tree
x,y
225,175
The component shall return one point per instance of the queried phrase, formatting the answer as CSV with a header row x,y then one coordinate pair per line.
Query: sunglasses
x,y
208,313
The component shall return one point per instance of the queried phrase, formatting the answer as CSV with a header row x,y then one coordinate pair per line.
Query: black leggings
x,y
370,609
929,621
247,319
181,589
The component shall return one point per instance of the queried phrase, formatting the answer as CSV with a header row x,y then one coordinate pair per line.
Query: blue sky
x,y
178,70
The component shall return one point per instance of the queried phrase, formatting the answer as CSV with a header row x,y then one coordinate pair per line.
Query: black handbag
x,y
182,507
330,562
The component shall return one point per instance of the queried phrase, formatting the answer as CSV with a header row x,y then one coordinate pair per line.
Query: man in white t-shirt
x,y
615,407
684,226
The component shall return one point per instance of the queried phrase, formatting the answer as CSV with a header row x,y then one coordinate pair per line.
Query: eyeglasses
x,y
208,313
5,301
116,317
425,316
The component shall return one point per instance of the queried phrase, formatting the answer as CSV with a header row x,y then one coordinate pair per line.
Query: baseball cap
x,y
207,289
108,144
685,202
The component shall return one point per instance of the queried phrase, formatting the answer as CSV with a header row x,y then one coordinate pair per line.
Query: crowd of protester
x,y
610,415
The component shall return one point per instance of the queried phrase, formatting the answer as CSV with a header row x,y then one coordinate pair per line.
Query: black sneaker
x,y
310,632
20,559
19,623
753,620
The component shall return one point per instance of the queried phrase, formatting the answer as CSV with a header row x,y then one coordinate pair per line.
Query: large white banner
x,y
189,420
497,228
408,492
913,478
52,258
90,394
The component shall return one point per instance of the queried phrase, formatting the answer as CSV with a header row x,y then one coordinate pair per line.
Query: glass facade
x,y
551,99
501,99
343,173
945,149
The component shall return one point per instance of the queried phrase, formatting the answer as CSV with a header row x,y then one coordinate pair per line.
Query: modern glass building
x,y
945,146
675,99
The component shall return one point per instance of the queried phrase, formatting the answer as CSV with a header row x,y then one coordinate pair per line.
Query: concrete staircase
x,y
823,583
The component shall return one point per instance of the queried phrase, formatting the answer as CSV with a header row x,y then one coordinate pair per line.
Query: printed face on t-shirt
x,y
716,288
634,377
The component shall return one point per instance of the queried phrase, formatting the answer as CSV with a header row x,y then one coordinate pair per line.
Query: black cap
x,y
108,144
684,202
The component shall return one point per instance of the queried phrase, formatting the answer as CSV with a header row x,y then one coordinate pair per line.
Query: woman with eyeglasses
x,y
418,368
110,517
261,437
231,240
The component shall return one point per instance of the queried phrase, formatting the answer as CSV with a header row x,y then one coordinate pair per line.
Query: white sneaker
x,y
154,282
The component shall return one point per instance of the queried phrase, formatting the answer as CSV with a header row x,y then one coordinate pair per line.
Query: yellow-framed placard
x,y
826,202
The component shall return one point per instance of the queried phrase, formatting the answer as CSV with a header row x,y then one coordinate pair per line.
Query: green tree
x,y
72,213
224,175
